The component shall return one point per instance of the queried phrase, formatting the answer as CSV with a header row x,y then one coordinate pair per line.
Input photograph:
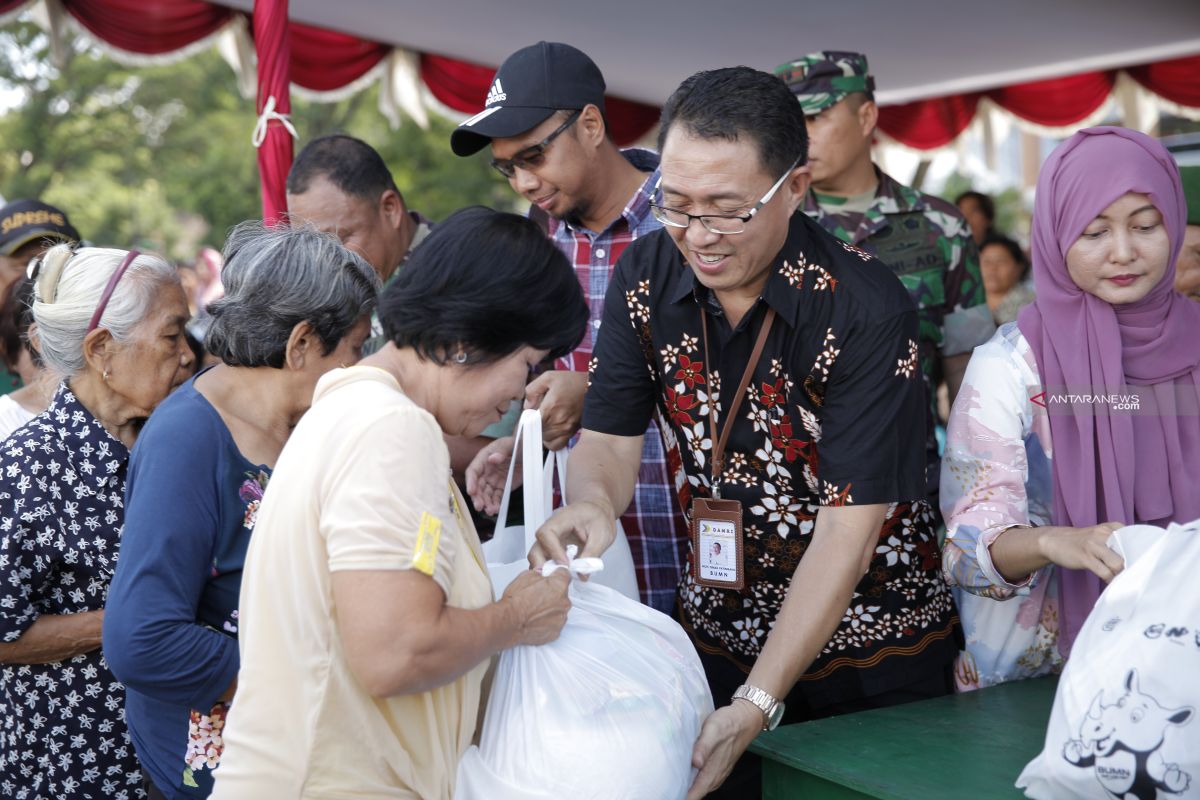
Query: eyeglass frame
x,y
519,160
655,208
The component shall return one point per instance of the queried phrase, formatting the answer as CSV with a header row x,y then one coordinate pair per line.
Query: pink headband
x,y
110,288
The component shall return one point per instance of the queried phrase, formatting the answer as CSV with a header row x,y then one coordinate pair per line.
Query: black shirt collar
x,y
778,293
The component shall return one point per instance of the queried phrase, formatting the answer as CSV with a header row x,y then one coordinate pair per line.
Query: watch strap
x,y
765,702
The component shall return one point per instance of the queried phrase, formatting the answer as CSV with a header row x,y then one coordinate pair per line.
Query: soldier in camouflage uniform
x,y
923,239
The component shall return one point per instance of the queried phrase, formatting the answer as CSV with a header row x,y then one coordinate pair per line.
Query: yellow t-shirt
x,y
363,484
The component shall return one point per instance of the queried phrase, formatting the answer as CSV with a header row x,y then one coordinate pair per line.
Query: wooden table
x,y
963,746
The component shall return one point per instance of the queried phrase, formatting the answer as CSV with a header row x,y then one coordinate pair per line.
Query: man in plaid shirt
x,y
544,120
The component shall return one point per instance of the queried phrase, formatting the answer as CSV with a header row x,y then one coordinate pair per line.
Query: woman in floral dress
x,y
297,305
1081,416
111,323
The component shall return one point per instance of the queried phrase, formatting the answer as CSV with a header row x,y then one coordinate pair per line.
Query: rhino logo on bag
x,y
1121,743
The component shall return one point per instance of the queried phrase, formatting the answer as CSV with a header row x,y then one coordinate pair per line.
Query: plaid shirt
x,y
656,529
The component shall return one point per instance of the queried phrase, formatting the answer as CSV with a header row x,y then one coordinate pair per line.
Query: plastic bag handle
x,y
527,440
575,566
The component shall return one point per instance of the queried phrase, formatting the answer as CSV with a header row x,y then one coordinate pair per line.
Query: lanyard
x,y
718,454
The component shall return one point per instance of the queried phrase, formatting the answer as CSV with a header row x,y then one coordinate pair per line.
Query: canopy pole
x,y
273,133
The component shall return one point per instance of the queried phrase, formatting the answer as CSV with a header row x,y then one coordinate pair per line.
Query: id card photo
x,y
716,552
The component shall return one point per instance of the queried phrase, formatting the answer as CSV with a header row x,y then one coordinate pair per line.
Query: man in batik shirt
x,y
826,592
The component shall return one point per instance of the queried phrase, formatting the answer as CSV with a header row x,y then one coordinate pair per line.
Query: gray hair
x,y
68,288
276,278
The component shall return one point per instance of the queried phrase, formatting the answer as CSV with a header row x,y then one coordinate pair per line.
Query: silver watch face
x,y
774,717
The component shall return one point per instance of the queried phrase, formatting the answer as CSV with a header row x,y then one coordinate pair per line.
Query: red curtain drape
x,y
1058,101
927,124
463,87
274,57
325,60
1177,80
150,28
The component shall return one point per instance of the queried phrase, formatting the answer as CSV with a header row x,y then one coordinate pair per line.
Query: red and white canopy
x,y
1051,64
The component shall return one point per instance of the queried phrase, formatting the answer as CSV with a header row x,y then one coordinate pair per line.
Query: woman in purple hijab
x,y
1082,416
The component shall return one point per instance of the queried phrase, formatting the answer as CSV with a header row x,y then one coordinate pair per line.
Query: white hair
x,y
67,290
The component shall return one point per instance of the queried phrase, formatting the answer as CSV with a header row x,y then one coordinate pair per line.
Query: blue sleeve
x,y
172,519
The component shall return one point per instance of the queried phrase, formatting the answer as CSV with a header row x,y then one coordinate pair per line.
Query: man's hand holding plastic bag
x,y
726,734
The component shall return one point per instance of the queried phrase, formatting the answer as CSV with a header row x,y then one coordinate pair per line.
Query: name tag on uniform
x,y
717,543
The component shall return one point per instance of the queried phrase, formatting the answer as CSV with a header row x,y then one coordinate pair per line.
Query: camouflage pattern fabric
x,y
821,79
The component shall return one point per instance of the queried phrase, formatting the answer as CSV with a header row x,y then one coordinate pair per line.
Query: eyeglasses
x,y
534,156
720,224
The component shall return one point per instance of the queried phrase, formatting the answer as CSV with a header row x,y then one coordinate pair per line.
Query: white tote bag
x,y
1124,719
508,550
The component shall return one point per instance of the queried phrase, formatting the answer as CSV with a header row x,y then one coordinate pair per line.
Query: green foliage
x,y
160,156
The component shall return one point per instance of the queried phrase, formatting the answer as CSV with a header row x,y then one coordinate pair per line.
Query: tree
x,y
160,156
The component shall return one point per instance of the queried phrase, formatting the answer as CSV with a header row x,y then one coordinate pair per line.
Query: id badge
x,y
717,543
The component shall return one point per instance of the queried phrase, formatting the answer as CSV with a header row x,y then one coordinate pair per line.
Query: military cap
x,y
821,79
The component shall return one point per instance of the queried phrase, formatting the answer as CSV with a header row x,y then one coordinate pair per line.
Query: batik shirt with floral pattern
x,y
62,507
833,416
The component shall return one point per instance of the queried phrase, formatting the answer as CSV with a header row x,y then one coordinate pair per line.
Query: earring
x,y
105,375
461,357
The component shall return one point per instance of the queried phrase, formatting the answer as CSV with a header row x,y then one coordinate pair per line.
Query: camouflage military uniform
x,y
924,240
928,245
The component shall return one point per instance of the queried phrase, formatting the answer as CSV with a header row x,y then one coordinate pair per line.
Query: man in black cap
x,y
27,229
544,120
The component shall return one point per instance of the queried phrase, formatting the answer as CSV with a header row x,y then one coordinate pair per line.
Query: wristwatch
x,y
771,708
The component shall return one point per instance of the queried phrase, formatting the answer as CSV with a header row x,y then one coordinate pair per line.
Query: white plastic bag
x,y
608,711
507,551
1124,719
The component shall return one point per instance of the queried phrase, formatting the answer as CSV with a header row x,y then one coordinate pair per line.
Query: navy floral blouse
x,y
62,508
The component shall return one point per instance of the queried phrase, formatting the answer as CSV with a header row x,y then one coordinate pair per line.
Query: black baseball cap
x,y
530,85
24,221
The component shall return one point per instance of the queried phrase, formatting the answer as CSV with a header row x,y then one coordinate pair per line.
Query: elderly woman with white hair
x,y
297,304
111,324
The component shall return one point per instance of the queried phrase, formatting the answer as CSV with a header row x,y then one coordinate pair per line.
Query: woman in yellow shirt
x,y
367,617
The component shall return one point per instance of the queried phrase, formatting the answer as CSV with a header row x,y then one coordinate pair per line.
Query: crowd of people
x,y
237,553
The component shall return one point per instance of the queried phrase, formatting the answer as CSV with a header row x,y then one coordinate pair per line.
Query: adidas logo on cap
x,y
496,94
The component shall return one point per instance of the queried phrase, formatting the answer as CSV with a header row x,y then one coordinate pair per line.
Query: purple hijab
x,y
1129,468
